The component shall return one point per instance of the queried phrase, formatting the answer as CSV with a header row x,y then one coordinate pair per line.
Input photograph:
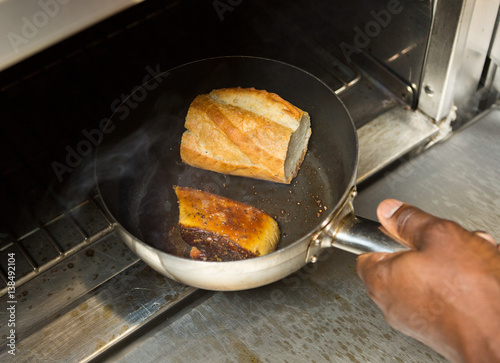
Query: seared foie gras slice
x,y
222,229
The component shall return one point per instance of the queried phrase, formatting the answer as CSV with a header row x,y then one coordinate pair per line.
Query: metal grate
x,y
49,243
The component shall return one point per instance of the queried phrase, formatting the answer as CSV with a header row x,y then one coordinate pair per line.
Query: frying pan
x,y
138,163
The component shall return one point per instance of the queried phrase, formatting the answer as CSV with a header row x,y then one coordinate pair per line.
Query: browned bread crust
x,y
246,132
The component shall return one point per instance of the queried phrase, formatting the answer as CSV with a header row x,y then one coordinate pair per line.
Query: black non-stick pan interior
x,y
139,162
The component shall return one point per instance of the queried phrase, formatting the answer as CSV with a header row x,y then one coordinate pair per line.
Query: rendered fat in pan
x,y
138,163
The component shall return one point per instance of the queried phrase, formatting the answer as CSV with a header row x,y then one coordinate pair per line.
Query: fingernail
x,y
388,207
486,236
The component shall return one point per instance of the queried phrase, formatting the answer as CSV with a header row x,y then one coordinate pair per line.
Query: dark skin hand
x,y
445,291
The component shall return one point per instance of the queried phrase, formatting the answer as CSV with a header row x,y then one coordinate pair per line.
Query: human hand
x,y
445,291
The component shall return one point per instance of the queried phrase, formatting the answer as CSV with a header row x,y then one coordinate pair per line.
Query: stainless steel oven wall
x,y
461,33
392,32
439,49
475,89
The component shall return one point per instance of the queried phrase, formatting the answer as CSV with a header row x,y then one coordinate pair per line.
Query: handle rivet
x,y
314,259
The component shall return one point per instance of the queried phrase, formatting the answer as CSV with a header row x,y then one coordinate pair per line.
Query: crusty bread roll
x,y
246,132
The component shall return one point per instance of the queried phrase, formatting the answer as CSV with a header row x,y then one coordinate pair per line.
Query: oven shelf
x,y
54,241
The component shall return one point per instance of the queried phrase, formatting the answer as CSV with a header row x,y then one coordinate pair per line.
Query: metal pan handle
x,y
359,235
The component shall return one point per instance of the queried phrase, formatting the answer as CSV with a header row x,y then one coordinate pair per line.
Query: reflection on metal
x,y
324,238
401,53
390,136
390,81
360,235
348,84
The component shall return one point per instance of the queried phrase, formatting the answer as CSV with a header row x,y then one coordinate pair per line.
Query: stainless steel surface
x,y
393,83
360,235
494,51
45,246
106,295
365,100
473,89
457,179
390,136
441,65
319,314
445,52
30,26
223,276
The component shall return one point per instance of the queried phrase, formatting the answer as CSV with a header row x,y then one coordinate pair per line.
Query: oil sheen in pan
x,y
298,207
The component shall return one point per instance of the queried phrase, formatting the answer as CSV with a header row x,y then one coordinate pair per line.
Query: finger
x,y
486,236
366,261
406,223
371,270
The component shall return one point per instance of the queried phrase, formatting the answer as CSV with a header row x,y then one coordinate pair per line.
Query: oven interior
x,y
76,282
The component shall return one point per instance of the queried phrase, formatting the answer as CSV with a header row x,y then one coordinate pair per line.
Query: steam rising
x,y
125,155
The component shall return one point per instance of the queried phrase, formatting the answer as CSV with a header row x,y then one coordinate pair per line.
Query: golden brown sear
x,y
222,229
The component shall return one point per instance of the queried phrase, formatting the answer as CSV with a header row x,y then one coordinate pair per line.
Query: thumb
x,y
405,223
